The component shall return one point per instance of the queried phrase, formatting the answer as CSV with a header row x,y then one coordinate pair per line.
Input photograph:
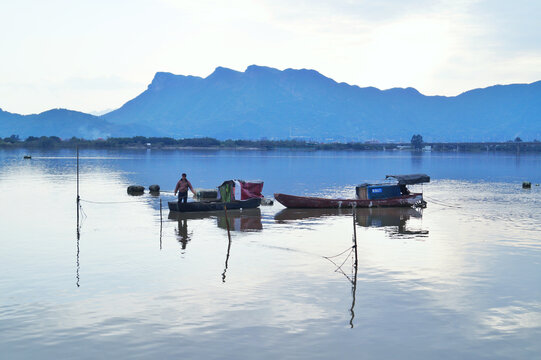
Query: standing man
x,y
182,187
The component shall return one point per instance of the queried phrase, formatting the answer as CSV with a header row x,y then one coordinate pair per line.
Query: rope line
x,y
343,252
339,267
114,202
441,203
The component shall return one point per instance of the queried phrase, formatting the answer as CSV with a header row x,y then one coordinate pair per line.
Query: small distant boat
x,y
213,205
27,157
368,195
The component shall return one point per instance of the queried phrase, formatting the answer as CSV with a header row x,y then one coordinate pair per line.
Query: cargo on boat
x,y
232,194
394,194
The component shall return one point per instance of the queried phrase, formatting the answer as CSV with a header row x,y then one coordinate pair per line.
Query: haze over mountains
x,y
266,102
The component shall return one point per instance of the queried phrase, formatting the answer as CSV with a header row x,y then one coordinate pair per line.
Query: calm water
x,y
459,280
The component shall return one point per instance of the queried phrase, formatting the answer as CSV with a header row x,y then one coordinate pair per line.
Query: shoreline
x,y
144,143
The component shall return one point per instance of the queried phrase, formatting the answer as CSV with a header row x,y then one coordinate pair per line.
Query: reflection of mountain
x,y
366,217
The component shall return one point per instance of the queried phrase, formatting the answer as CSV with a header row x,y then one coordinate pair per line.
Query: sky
x,y
94,56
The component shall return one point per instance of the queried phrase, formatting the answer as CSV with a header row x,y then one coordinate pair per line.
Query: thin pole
x,y
353,294
228,244
355,237
227,223
78,198
78,225
355,265
77,173
161,223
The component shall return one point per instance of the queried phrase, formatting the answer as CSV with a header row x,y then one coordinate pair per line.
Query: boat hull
x,y
305,202
213,206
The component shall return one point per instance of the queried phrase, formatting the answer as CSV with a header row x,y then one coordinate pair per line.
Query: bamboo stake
x,y
161,223
355,237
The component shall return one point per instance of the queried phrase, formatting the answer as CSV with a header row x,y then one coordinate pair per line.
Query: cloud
x,y
100,54
101,83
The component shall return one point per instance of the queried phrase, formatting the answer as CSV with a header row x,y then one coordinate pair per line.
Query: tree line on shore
x,y
416,143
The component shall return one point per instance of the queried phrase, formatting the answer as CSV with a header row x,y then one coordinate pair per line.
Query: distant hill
x,y
63,123
266,102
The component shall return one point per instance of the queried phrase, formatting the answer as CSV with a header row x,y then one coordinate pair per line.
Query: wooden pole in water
x,y
355,237
161,223
228,243
77,173
354,280
78,198
227,223
78,209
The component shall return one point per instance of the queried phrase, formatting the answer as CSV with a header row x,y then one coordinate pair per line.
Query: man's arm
x,y
176,187
191,188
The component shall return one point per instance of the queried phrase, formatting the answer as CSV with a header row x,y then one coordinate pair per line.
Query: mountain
x,y
63,123
266,102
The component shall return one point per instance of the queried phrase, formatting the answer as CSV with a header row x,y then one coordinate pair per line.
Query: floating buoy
x,y
154,188
266,202
526,185
136,190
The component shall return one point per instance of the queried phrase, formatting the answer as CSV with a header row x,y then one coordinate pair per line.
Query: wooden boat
x,y
292,201
367,195
213,205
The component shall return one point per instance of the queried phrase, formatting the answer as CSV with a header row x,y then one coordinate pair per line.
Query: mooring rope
x,y
114,202
441,203
343,252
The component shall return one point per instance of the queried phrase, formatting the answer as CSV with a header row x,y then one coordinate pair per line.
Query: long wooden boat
x,y
213,205
292,201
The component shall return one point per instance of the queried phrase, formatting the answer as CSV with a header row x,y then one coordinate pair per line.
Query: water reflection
x,y
244,221
239,220
247,220
182,232
417,160
475,282
394,220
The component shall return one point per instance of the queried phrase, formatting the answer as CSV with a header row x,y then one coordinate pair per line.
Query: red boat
x,y
368,195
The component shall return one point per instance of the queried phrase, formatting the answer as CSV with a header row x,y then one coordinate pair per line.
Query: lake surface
x,y
460,279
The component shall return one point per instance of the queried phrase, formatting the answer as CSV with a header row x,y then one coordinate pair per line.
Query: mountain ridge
x,y
267,102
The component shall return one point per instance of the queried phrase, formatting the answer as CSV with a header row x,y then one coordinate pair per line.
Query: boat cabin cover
x,y
386,191
232,190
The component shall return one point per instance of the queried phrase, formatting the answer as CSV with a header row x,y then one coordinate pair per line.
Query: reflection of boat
x,y
245,220
372,217
213,205
383,217
368,195
239,220
365,216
